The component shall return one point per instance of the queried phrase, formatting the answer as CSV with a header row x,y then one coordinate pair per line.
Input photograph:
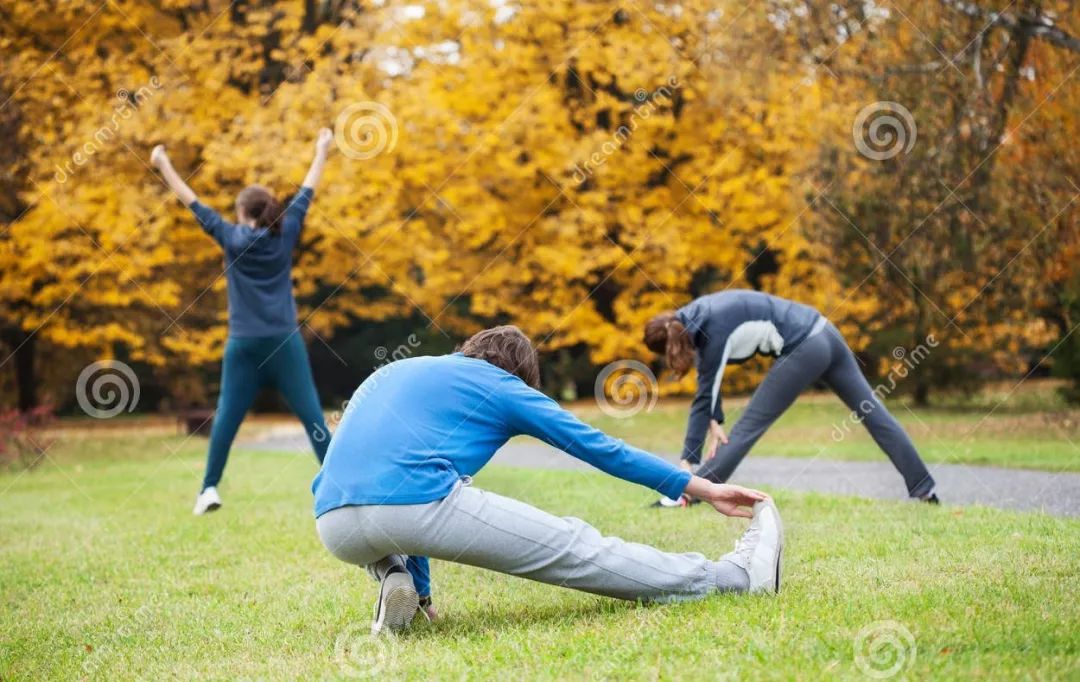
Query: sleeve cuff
x,y
203,214
674,485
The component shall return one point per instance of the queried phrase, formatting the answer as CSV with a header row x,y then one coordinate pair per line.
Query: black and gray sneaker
x,y
397,603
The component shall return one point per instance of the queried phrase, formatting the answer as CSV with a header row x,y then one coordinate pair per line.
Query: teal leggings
x,y
251,363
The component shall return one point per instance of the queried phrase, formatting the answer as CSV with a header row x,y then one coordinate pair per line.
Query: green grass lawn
x,y
106,575
1027,429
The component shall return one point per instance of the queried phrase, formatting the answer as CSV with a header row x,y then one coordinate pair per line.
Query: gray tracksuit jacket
x,y
730,327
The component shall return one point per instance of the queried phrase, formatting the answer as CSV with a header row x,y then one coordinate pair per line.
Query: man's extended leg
x,y
490,531
782,385
847,380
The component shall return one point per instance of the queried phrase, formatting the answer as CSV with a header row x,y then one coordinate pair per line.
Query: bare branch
x,y
1038,26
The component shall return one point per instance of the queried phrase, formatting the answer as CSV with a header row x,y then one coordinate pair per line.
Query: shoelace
x,y
744,546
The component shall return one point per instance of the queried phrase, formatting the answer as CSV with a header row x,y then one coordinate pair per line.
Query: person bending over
x,y
396,486
264,346
732,326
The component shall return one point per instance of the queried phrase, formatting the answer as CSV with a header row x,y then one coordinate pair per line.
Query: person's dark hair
x,y
257,203
664,334
508,348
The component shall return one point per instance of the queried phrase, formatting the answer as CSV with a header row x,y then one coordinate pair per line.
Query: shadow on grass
x,y
518,616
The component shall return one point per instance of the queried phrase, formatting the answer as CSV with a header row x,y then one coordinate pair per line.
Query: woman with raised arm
x,y
730,327
264,346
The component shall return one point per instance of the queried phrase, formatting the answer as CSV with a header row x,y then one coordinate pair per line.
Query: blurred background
x,y
909,168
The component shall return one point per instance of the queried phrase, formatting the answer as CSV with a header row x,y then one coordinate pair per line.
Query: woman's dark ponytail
x,y
259,205
664,334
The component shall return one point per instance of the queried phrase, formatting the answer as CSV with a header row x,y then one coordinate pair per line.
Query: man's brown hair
x,y
508,348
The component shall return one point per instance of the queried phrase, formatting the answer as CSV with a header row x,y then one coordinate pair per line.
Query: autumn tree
x,y
569,167
575,168
931,209
75,75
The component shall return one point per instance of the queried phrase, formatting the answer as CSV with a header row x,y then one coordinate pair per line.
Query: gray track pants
x,y
823,356
483,529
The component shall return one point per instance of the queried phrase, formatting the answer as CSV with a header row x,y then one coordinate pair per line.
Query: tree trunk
x,y
920,332
922,392
23,347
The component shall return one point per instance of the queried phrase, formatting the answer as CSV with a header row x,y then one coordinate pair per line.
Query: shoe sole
x,y
397,605
779,547
213,506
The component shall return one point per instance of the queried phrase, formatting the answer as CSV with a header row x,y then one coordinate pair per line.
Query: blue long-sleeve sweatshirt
x,y
730,327
258,268
416,426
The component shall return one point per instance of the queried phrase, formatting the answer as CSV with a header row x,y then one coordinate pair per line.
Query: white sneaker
x,y
667,502
397,604
761,549
207,501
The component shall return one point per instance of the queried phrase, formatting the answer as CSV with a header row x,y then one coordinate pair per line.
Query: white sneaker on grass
x,y
668,502
760,551
207,501
397,604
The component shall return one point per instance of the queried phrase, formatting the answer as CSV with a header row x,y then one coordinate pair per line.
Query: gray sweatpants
x,y
483,529
823,356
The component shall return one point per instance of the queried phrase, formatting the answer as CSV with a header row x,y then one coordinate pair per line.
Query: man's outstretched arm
x,y
530,412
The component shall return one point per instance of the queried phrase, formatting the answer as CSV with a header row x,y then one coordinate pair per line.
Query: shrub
x,y
23,436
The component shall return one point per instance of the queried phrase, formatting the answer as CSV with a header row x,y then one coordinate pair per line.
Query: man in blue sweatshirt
x,y
395,487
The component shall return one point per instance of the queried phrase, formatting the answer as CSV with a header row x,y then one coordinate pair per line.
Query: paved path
x,y
1053,493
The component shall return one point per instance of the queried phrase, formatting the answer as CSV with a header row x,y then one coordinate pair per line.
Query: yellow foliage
x,y
571,167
